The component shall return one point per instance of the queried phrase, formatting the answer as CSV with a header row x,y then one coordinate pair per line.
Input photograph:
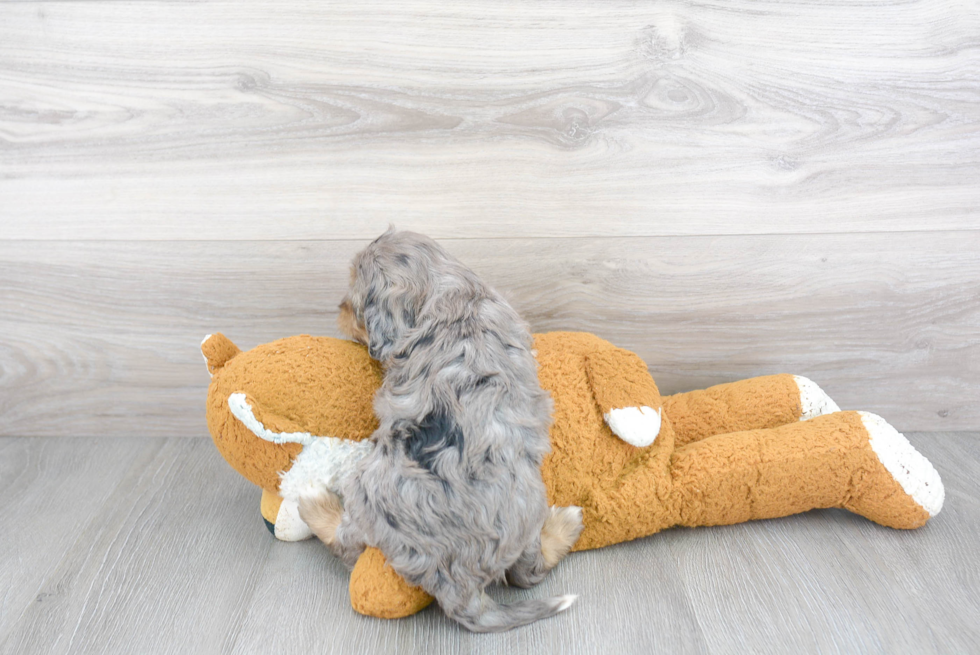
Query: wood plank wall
x,y
729,188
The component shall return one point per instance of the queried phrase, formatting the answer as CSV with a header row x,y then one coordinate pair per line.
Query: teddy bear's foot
x,y
905,491
813,400
289,526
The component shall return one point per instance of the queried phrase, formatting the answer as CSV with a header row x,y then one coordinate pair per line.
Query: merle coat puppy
x,y
452,492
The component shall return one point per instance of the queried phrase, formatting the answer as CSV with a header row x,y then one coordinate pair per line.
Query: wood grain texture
x,y
167,565
847,584
102,338
50,493
176,560
313,120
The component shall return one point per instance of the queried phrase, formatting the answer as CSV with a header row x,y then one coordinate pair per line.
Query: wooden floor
x,y
156,546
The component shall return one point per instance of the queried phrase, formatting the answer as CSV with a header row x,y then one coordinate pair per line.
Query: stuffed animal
x,y
297,412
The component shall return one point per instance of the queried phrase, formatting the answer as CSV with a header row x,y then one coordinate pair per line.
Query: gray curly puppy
x,y
452,492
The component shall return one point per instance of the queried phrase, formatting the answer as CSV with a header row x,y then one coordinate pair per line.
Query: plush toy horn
x,y
218,350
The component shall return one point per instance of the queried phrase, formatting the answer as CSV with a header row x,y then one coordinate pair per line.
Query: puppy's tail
x,y
483,614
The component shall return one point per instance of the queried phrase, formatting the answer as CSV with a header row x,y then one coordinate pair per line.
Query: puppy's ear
x,y
380,328
390,311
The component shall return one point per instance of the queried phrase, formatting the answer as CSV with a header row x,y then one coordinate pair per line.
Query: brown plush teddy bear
x,y
297,412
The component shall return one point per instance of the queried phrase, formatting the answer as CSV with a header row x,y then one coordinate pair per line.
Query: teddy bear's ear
x,y
218,351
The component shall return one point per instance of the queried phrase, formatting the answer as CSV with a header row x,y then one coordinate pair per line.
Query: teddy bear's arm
x,y
376,590
753,404
626,394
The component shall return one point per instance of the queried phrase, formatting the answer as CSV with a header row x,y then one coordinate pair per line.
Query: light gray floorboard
x,y
49,493
174,559
102,338
167,565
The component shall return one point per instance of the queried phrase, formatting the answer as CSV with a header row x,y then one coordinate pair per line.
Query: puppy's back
x,y
461,401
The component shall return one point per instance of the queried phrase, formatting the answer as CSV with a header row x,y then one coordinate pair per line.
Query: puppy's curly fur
x,y
452,492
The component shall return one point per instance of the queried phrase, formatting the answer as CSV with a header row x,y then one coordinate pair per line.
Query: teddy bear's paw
x,y
813,400
289,525
560,532
916,474
637,426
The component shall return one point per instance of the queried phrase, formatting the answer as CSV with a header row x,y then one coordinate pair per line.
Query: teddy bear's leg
x,y
762,402
289,525
269,508
282,517
850,460
376,590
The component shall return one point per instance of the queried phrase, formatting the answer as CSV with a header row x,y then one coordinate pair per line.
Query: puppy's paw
x,y
560,532
322,510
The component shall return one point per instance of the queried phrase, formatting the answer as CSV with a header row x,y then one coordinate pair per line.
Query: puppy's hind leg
x,y
529,569
560,532
322,510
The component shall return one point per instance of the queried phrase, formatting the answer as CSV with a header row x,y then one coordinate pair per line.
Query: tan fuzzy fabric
x,y
588,464
218,350
310,384
372,580
763,402
757,474
619,379
731,453
269,505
